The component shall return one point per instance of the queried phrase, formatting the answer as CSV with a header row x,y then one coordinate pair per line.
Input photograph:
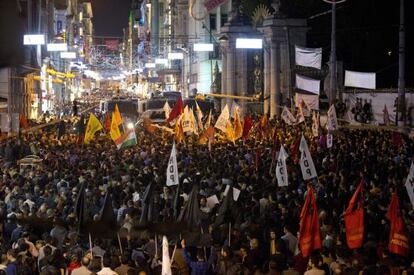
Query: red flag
x,y
276,145
397,139
247,125
107,122
294,150
354,218
23,121
399,243
176,111
149,126
309,235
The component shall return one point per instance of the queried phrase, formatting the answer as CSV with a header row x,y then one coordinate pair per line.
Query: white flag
x,y
208,121
281,169
360,80
300,117
172,169
329,141
315,124
234,107
306,162
199,117
308,84
288,117
166,262
222,120
167,110
409,184
194,124
308,57
186,121
332,122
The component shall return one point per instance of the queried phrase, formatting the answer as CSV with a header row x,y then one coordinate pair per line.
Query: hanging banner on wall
x,y
308,57
360,80
308,84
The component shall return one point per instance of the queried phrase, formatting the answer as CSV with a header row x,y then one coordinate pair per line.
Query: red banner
x,y
309,235
212,4
399,243
354,218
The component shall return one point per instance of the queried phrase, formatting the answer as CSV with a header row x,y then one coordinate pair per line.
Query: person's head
x,y
47,250
315,260
106,262
272,235
200,255
85,261
226,252
124,259
254,243
272,265
11,255
243,251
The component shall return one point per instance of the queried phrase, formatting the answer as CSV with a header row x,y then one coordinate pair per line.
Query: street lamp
x,y
332,80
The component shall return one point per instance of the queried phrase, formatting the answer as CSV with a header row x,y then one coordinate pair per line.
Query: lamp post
x,y
332,60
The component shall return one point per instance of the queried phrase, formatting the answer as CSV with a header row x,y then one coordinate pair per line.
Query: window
x,y
224,18
213,21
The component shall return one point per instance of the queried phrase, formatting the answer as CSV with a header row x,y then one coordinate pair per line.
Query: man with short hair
x,y
83,270
106,267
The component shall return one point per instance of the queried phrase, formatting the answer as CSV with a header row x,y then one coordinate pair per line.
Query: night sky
x,y
110,16
367,38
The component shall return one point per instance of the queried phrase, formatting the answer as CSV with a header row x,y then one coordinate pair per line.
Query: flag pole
x,y
229,233
120,244
156,246
90,244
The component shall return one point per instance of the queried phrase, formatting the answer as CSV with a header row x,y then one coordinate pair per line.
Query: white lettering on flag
x,y
281,169
172,169
306,162
288,117
409,184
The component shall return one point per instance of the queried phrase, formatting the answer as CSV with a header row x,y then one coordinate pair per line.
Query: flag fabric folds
x,y
332,123
281,168
225,210
199,117
190,214
315,124
176,111
166,261
306,162
288,117
222,120
114,132
172,168
354,218
247,125
398,242
309,235
127,139
230,132
117,115
23,121
107,122
409,184
92,127
80,207
148,204
238,128
167,110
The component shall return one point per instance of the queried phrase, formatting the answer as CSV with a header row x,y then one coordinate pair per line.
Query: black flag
x,y
225,210
80,208
148,204
191,211
177,202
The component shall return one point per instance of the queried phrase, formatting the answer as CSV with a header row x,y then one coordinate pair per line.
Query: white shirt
x,y
107,271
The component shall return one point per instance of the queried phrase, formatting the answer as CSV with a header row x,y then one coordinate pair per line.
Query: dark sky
x,y
110,16
367,32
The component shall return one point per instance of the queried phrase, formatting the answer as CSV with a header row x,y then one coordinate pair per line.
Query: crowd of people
x,y
41,232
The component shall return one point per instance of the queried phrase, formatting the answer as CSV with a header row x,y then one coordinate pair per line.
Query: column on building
x,y
231,73
223,74
266,80
242,75
275,93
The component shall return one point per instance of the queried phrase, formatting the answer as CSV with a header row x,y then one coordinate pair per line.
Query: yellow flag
x,y
179,133
114,131
238,128
93,126
117,115
208,122
230,132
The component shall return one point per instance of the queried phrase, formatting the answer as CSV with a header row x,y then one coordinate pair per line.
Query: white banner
x,y
306,162
332,122
308,84
281,169
166,261
288,117
234,107
329,141
409,184
186,121
172,168
167,109
312,101
308,57
360,80
222,120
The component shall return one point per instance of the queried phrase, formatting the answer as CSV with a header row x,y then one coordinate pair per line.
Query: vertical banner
x,y
281,169
409,184
172,168
329,141
306,162
332,123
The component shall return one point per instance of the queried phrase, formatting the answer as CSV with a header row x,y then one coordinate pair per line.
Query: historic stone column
x,y
266,78
275,95
223,74
231,73
242,74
